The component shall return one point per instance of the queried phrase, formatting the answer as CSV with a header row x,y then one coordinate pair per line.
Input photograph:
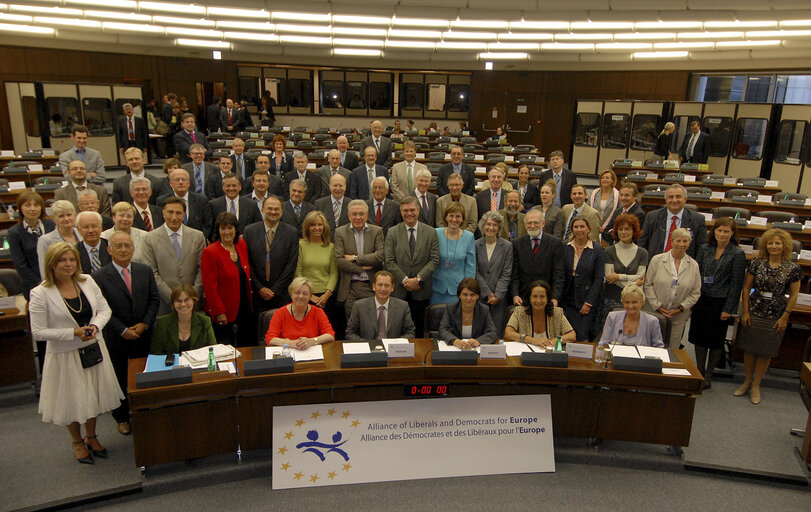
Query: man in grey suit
x,y
404,174
91,158
381,316
174,251
358,253
134,159
243,207
493,195
331,168
335,206
426,199
77,171
384,212
295,209
360,185
202,173
349,159
412,256
456,195
382,144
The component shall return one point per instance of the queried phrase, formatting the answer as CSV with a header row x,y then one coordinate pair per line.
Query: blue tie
x,y
176,245
557,186
198,179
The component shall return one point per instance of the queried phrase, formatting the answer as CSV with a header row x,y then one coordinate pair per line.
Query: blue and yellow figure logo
x,y
314,458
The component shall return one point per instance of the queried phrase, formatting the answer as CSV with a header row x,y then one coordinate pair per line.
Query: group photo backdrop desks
x,y
218,412
621,172
708,205
718,187
17,363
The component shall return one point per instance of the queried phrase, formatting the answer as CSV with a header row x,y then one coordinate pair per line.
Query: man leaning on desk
x,y
380,316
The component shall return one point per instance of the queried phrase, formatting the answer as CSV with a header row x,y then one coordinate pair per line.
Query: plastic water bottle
x,y
212,361
559,344
11,213
599,354
286,351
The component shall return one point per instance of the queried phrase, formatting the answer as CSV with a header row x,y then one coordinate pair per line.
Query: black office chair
x,y
434,168
307,144
654,190
330,144
436,155
527,159
730,211
524,148
263,323
742,194
473,147
398,154
713,179
468,140
4,185
495,157
321,137
752,182
433,316
422,146
468,157
777,216
10,279
268,136
322,130
637,176
218,144
295,136
420,138
443,147
221,153
346,130
301,129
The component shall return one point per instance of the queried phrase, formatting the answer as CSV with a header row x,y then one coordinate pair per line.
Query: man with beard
x,y
536,256
512,224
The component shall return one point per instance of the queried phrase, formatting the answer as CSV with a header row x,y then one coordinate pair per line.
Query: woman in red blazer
x,y
227,284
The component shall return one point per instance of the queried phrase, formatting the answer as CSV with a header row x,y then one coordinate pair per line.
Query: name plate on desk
x,y
764,198
635,364
367,360
478,157
399,348
457,357
758,221
178,375
480,168
16,185
547,359
581,350
772,183
420,155
805,254
7,153
730,181
311,165
493,351
35,168
717,195
689,178
8,303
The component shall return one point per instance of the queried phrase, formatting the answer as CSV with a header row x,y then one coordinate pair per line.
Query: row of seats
x,y
735,194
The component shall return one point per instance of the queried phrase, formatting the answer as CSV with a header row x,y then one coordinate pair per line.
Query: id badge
x,y
766,295
708,280
450,264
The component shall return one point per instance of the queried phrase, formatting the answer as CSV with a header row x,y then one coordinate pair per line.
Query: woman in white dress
x,y
68,311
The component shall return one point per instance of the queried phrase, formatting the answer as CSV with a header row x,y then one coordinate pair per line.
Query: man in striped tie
x,y
92,249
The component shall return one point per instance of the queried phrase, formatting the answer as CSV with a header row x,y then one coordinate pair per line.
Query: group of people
x,y
200,255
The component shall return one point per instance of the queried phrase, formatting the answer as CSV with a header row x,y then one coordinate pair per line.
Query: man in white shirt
x,y
244,208
492,199
382,144
335,205
404,174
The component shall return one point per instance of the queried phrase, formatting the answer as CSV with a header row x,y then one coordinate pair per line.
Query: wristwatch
x,y
355,259
523,337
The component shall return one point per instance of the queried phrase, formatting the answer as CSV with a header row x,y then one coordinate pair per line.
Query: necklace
x,y
78,294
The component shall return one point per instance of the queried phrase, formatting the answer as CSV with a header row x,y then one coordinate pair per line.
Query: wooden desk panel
x,y
16,349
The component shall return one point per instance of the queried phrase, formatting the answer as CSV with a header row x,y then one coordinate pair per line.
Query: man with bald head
x,y
197,213
349,159
335,205
77,172
382,145
383,211
331,168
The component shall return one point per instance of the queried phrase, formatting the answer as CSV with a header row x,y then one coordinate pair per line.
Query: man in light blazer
x,y
512,220
78,182
91,158
383,145
173,251
184,139
456,195
404,174
657,228
577,207
365,323
358,254
564,179
198,212
427,200
360,185
134,159
458,167
243,207
336,199
412,256
331,168
206,171
380,206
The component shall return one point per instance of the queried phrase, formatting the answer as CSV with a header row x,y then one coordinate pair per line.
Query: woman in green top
x,y
316,262
182,329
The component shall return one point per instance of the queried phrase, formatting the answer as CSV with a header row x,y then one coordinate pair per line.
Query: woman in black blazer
x,y
584,269
23,236
528,191
467,323
280,162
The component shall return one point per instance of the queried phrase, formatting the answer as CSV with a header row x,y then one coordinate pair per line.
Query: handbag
x,y
90,355
162,128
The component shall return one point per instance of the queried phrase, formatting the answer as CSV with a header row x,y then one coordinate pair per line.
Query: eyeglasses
x,y
122,246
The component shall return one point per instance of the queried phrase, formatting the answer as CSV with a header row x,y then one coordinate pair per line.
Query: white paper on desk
x,y
311,165
747,249
717,195
184,361
731,181
443,346
229,367
658,353
420,156
764,198
285,128
516,348
35,168
314,353
772,183
16,185
805,254
478,157
356,348
624,350
480,168
48,152
758,221
804,299
807,224
509,158
689,178
221,353
8,302
676,371
707,216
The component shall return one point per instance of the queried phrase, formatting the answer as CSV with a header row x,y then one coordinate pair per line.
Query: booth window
x,y
458,98
356,95
790,142
30,116
720,130
587,129
299,92
644,133
615,131
98,116
749,137
248,89
380,95
275,86
63,113
436,96
332,94
411,97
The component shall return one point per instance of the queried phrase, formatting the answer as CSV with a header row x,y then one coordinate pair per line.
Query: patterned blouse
x,y
776,281
556,325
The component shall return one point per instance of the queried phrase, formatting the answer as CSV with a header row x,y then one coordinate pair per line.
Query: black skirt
x,y
706,328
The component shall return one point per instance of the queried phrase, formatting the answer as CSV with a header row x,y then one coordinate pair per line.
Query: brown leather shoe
x,y
124,429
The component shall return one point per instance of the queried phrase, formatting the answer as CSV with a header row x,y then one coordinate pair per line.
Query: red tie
x,y
193,138
535,246
670,232
147,224
131,129
377,215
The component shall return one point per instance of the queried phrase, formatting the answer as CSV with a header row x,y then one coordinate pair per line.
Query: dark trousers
x,y
418,308
120,362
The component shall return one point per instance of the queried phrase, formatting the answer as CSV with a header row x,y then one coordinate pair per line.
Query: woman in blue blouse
x,y
633,326
457,256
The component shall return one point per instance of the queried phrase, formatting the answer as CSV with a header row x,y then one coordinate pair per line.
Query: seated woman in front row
x,y
538,321
633,326
299,324
467,323
182,329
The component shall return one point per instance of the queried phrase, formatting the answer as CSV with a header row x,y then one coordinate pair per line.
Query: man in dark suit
x,y
564,179
213,115
426,199
276,241
383,212
204,172
628,205
536,256
243,164
660,223
349,160
245,209
468,173
332,167
147,215
166,108
335,206
184,139
382,145
225,166
296,208
229,117
132,294
696,148
198,212
134,159
381,316
92,249
493,195
362,176
131,131
310,178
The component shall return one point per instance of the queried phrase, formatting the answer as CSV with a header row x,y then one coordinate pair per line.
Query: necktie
x,y
410,177
125,275
690,146
229,118
381,323
239,166
556,202
377,144
535,245
95,263
371,173
670,232
343,155
193,137
198,179
297,209
130,129
176,245
147,223
268,241
232,208
575,213
494,202
425,207
412,242
336,210
378,214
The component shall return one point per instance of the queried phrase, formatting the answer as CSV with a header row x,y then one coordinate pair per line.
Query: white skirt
x,y
71,393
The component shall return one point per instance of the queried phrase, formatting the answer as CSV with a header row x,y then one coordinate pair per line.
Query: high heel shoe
x,y
742,390
102,454
88,459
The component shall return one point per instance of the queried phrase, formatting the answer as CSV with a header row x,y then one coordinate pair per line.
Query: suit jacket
x,y
402,264
494,276
350,159
198,214
325,172
221,279
324,205
656,229
92,160
68,193
139,127
384,153
532,196
284,250
546,265
589,213
23,246
157,218
399,179
471,222
213,117
586,283
289,215
183,142
450,327
129,309
121,188
372,255
483,201
567,180
553,222
236,121
362,324
245,119
468,178
359,186
389,215
169,272
313,181
248,213
84,257
608,232
427,216
274,188
249,165
504,231
165,337
701,150
212,179
648,334
659,280
285,167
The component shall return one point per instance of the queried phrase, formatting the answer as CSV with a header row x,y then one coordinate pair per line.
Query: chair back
x,y
11,281
263,323
433,316
730,211
777,216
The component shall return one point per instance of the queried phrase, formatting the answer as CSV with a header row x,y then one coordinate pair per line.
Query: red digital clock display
x,y
426,389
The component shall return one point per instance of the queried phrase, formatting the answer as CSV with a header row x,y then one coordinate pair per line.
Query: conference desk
x,y
219,413
16,350
709,204
805,376
720,187
623,171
